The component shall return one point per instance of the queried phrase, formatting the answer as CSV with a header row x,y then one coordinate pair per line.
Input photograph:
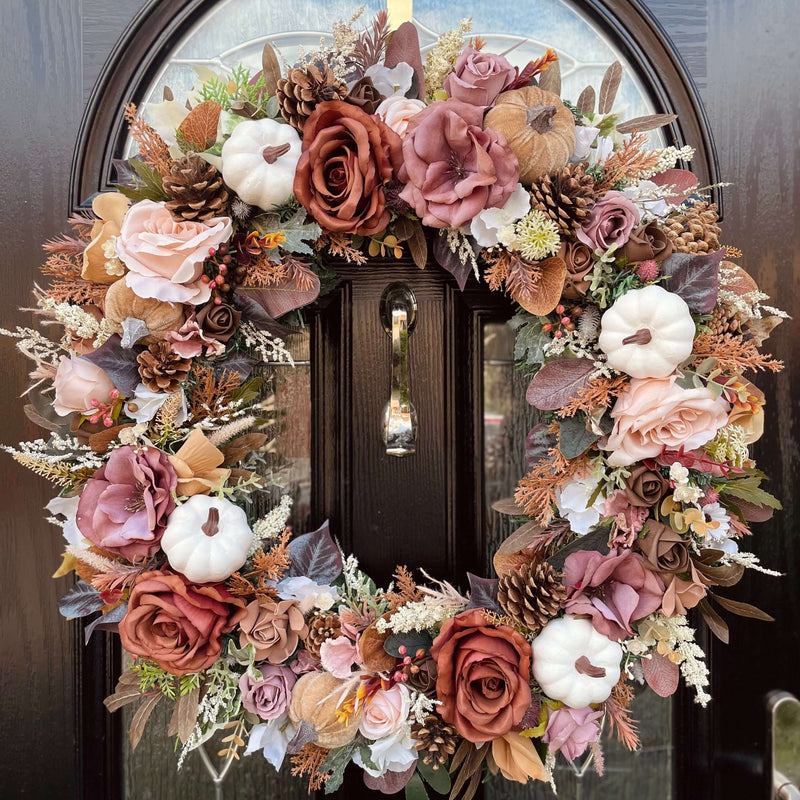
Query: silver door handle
x,y
783,710
398,314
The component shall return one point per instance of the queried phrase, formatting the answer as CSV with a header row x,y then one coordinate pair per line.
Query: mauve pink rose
x,y
655,413
571,730
614,589
452,168
125,505
165,257
611,221
477,77
78,381
270,697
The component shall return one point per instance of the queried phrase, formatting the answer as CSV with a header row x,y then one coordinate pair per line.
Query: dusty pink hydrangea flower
x,y
452,168
614,589
571,730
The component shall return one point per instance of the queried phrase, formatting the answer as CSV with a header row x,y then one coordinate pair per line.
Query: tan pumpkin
x,y
315,699
540,130
121,302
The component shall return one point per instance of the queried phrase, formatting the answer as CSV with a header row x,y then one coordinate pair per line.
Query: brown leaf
x,y
182,721
507,506
586,101
647,123
723,575
715,623
548,292
411,231
100,441
550,79
557,382
284,297
609,87
140,718
511,553
661,674
403,45
271,67
742,609
167,94
236,450
37,419
468,760
199,129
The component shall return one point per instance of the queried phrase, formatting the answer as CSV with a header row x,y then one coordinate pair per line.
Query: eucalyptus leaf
x,y
596,539
437,779
415,788
529,343
80,601
106,622
538,444
412,641
573,437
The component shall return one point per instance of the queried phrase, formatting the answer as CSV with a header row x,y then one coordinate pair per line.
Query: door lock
x,y
783,721
399,314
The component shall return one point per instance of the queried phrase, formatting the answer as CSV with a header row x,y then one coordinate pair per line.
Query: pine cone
x,y
162,370
695,230
196,189
299,93
566,196
320,628
435,740
532,594
726,320
421,675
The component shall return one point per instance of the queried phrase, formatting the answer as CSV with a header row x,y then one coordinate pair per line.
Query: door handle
x,y
399,315
783,721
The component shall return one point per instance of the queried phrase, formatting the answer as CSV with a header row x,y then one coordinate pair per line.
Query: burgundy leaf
x,y
557,382
390,782
106,622
661,674
404,46
118,362
80,601
316,556
715,623
694,278
283,297
682,180
483,592
449,261
753,513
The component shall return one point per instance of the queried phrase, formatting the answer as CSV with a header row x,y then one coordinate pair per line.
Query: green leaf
x,y
528,346
573,437
415,788
151,186
298,233
749,489
437,779
412,641
337,761
596,539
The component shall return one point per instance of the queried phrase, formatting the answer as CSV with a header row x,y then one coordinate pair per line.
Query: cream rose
x,y
165,257
397,111
78,381
653,413
386,712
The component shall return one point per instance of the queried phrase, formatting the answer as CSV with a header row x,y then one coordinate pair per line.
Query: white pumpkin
x,y
259,160
574,663
647,332
207,539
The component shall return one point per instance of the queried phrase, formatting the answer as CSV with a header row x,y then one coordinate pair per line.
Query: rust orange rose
x,y
177,624
483,676
347,158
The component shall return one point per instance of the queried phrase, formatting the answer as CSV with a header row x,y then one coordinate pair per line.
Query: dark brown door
x,y
428,509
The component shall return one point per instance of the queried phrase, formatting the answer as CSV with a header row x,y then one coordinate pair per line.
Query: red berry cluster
x,y
565,321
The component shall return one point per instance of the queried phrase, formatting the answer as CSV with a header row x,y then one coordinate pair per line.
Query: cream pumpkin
x,y
647,333
574,663
207,539
539,128
259,160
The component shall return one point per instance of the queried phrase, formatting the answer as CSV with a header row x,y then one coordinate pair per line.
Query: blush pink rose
x,y
655,413
571,730
385,713
452,168
165,257
398,111
78,381
611,221
477,77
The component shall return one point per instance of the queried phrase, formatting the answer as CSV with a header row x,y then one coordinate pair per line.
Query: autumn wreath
x,y
636,326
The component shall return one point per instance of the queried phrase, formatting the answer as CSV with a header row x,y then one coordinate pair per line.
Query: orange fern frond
x,y
733,353
598,393
152,148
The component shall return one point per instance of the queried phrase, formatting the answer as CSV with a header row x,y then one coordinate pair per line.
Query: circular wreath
x,y
635,325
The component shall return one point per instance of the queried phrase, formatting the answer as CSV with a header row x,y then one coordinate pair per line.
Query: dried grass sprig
x,y
64,264
733,353
617,710
340,245
600,392
211,391
499,266
405,589
270,565
368,48
152,148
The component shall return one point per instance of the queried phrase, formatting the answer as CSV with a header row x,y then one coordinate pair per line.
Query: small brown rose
x,y
578,258
645,487
647,242
218,322
273,628
663,549
364,95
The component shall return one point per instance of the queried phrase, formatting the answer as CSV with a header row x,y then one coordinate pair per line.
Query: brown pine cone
x,y
300,91
725,320
320,628
435,740
566,196
162,370
421,675
695,230
532,594
196,189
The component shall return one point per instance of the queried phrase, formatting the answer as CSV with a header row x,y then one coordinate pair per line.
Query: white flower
x,y
605,146
584,137
391,81
273,739
648,198
307,593
716,513
397,112
147,404
166,118
386,712
572,500
678,473
485,227
395,753
687,494
68,507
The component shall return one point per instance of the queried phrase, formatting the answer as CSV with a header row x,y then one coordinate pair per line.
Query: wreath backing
x,y
635,325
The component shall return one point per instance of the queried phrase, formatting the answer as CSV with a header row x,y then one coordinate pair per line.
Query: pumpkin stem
x,y
642,336
272,153
540,118
211,525
585,667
